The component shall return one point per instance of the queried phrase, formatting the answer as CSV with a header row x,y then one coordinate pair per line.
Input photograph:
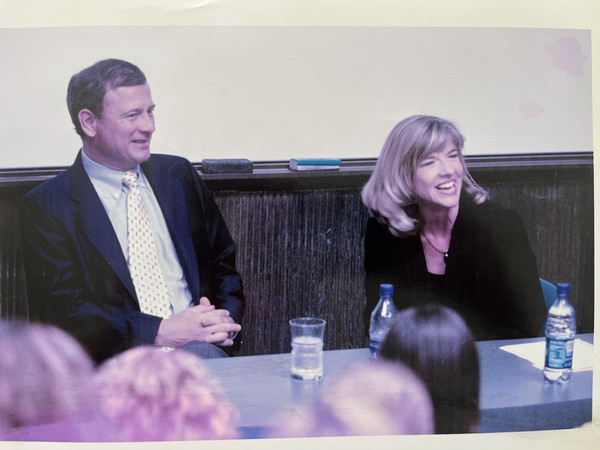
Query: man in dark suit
x,y
76,234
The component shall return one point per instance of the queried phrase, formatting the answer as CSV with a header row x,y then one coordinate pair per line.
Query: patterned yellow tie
x,y
145,271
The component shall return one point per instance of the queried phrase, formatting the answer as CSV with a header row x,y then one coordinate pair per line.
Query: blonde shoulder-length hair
x,y
389,194
153,395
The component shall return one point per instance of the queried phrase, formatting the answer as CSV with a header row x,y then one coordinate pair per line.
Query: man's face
x,y
123,133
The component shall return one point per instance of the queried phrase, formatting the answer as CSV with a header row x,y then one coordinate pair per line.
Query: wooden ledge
x,y
276,175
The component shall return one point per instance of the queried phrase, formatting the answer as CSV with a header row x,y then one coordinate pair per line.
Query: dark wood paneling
x,y
13,297
299,254
300,240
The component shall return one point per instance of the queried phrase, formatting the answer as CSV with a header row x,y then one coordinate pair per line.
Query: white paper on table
x,y
534,352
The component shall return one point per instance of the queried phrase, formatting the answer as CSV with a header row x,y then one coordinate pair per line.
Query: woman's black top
x,y
491,275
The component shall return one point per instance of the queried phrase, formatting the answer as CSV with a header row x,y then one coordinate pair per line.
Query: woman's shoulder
x,y
491,216
374,224
376,227
488,210
377,232
379,239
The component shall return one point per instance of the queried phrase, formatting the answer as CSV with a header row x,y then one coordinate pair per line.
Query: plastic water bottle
x,y
381,318
560,335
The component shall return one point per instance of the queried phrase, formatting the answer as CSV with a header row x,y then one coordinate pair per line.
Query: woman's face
x,y
438,179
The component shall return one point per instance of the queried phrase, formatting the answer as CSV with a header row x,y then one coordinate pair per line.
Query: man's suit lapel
x,y
171,197
88,209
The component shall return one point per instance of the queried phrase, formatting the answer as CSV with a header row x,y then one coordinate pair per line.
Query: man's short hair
x,y
87,88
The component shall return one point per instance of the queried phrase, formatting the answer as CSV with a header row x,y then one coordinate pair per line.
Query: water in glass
x,y
307,358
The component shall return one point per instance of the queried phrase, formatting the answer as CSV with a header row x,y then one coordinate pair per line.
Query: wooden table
x,y
513,396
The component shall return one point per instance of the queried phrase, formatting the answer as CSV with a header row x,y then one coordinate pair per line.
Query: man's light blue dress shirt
x,y
113,194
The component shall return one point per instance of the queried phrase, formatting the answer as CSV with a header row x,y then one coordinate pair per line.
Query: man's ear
x,y
87,120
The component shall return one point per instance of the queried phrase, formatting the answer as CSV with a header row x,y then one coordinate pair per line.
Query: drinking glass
x,y
307,348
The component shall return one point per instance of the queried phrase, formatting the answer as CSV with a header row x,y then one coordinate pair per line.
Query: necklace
x,y
443,252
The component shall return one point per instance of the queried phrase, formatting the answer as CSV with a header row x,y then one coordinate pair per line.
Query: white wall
x,y
269,93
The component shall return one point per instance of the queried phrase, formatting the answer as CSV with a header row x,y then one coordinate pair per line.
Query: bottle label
x,y
559,353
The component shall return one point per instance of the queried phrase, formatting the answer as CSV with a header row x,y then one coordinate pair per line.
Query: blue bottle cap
x,y
386,290
563,288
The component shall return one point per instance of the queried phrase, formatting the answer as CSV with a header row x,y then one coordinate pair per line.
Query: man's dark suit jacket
x,y
491,272
77,275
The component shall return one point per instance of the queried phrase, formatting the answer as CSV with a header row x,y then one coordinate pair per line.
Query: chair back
x,y
549,292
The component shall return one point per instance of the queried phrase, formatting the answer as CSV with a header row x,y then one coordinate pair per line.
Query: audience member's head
x,y
44,377
368,398
436,343
154,395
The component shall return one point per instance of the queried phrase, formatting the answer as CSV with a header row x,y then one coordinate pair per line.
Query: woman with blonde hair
x,y
155,395
433,232
367,398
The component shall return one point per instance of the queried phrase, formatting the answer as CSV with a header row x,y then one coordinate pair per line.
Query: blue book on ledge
x,y
315,164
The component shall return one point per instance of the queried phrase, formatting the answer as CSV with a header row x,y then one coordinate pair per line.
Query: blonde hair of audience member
x,y
370,397
436,343
44,375
389,194
153,395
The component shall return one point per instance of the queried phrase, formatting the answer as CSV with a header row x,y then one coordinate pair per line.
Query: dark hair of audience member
x,y
156,395
368,398
44,378
436,343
